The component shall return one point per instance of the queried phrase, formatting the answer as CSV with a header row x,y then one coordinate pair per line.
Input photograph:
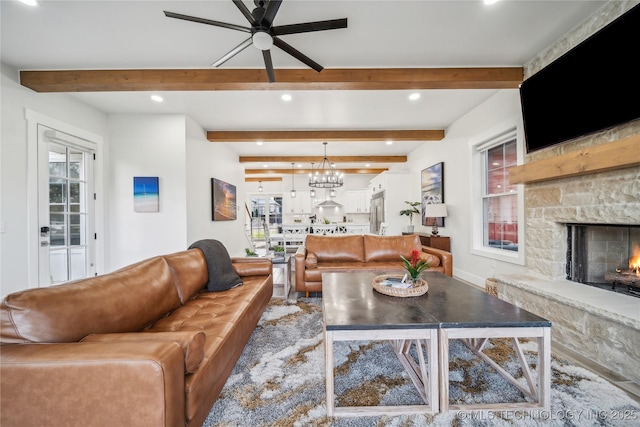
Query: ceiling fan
x,y
264,35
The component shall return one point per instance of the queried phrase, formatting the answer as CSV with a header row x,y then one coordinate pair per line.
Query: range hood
x,y
328,204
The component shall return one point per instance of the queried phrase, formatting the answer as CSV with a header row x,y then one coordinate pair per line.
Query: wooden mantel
x,y
624,153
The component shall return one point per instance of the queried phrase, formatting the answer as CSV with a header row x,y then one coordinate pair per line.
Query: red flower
x,y
414,257
414,264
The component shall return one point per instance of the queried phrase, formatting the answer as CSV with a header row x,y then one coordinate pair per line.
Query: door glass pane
x,y
75,227
76,164
57,190
58,230
74,193
57,161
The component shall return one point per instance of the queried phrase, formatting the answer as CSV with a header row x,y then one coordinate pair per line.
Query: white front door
x,y
65,207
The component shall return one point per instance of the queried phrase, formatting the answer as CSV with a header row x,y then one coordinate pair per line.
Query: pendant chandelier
x,y
312,193
293,184
326,176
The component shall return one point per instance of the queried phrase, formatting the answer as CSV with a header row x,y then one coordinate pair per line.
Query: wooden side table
x,y
438,242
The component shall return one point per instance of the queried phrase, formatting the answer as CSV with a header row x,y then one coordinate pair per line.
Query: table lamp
x,y
435,210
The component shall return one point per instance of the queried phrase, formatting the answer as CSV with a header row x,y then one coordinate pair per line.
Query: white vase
x,y
409,228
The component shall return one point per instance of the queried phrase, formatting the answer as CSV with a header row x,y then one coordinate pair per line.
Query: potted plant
x,y
278,248
412,209
249,252
415,265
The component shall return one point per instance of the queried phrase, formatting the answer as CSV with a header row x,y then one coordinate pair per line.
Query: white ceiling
x,y
120,34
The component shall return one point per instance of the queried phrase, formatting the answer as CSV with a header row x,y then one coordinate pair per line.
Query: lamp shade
x,y
437,210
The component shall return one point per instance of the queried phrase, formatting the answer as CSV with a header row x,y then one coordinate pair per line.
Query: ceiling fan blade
x,y
332,24
270,13
233,52
266,54
207,21
245,11
297,54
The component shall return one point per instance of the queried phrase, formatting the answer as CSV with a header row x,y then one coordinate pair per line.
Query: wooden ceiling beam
x,y
263,179
318,159
325,135
286,79
299,171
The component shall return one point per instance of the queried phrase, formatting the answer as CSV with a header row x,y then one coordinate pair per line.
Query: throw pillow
x,y
222,276
191,342
433,260
311,261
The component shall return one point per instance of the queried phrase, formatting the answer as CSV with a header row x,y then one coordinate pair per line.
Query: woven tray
x,y
420,288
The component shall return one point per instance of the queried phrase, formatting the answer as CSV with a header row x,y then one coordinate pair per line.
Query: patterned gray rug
x,y
279,381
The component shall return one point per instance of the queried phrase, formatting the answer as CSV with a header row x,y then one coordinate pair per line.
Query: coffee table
x,y
473,316
353,311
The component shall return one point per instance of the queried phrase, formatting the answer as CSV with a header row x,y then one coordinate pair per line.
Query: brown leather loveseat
x,y
146,345
323,254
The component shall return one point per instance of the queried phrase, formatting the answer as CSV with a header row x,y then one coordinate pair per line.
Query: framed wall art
x,y
146,194
432,190
223,201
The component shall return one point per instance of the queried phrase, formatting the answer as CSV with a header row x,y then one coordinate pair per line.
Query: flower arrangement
x,y
415,265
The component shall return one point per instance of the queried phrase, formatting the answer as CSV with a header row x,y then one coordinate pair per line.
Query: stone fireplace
x,y
601,325
604,256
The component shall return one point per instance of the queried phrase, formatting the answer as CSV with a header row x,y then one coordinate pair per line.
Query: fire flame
x,y
634,261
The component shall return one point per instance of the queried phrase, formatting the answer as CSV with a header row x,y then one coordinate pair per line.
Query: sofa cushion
x,y
311,261
189,271
222,276
126,300
389,248
191,342
335,248
433,260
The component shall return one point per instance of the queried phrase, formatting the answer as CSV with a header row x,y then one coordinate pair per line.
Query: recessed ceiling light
x,y
259,143
490,1
286,97
156,98
367,165
299,165
414,96
389,142
29,2
265,166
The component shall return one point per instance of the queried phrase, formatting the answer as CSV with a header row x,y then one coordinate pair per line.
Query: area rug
x,y
279,381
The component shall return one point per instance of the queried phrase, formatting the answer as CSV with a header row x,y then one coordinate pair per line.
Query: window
x,y
497,205
499,198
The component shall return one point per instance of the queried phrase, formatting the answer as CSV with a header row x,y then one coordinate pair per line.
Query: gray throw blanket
x,y
222,276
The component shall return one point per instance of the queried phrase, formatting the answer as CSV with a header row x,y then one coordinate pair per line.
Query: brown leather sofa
x,y
146,345
322,254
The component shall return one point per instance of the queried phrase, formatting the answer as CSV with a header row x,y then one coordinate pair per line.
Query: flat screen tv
x,y
594,86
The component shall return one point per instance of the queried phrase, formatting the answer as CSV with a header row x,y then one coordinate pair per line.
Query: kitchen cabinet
x,y
358,201
301,204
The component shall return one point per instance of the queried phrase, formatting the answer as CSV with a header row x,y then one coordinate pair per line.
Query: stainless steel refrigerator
x,y
376,213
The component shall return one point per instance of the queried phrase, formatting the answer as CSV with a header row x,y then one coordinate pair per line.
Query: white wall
x,y
147,145
208,160
455,151
15,164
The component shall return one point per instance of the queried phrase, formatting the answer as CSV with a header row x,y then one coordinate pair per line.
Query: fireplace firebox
x,y
605,256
